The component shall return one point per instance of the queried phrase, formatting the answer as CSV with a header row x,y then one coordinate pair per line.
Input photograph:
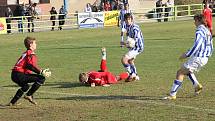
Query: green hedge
x,y
186,2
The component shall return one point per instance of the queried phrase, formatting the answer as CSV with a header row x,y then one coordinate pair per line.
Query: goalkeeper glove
x,y
46,72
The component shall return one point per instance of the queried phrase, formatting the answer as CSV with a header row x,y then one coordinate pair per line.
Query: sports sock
x,y
133,68
17,96
176,85
193,79
104,56
122,38
128,68
33,89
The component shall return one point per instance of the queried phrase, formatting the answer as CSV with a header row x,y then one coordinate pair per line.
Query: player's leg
x,y
197,86
103,65
134,69
38,81
126,64
18,79
122,76
123,31
177,83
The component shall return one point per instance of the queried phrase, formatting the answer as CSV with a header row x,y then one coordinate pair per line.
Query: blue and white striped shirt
x,y
122,14
203,44
134,31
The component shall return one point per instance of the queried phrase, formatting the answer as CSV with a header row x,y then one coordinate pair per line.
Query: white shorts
x,y
194,64
132,54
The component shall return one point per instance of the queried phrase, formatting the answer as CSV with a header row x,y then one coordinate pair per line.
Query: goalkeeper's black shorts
x,y
22,79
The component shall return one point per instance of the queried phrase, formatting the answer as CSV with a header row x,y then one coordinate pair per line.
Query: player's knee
x,y
124,60
25,88
41,80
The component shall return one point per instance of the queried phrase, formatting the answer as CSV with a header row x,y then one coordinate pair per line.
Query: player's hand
x,y
46,72
92,84
183,56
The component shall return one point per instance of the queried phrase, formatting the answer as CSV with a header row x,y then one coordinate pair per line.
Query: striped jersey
x,y
134,31
203,44
122,14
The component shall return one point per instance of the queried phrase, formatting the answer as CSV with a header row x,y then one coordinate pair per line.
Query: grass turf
x,y
69,52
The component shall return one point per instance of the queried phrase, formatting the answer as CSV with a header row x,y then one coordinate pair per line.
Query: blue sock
x,y
176,85
128,68
133,69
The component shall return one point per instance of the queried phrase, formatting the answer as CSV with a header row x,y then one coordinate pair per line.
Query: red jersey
x,y
101,78
207,12
27,63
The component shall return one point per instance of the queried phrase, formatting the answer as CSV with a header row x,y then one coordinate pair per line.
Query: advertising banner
x,y
3,26
111,18
91,20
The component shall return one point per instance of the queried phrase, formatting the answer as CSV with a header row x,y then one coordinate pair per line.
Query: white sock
x,y
104,55
176,85
122,39
193,79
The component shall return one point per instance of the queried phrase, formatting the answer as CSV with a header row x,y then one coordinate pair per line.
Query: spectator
x,y
96,6
94,9
125,1
20,12
53,13
159,10
31,12
107,6
116,5
8,14
167,10
88,8
61,17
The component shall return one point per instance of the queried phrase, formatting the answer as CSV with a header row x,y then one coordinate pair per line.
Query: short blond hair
x,y
83,77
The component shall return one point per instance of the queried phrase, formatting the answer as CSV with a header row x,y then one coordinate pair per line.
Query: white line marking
x,y
125,99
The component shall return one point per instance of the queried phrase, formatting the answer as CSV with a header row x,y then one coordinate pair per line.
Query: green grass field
x,y
69,52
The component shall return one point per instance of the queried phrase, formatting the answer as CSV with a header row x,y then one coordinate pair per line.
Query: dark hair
x,y
128,15
200,18
28,41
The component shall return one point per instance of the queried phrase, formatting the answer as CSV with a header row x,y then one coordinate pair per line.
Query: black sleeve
x,y
32,68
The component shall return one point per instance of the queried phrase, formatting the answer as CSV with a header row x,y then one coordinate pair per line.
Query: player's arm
x,y
32,64
197,43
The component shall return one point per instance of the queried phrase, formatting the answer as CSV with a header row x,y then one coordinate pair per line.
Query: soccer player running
x,y
101,77
198,57
125,9
133,31
22,73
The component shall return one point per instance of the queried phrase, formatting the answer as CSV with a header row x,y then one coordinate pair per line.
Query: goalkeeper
x,y
101,77
22,73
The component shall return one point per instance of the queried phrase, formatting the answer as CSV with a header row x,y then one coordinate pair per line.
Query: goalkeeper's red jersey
x,y
207,12
101,78
27,58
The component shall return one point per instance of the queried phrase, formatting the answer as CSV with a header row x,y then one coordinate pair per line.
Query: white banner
x,y
91,20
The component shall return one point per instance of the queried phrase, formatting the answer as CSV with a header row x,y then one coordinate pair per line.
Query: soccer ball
x,y
130,42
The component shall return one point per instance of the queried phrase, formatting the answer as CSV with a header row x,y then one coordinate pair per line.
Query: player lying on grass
x,y
101,77
134,32
198,57
22,73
